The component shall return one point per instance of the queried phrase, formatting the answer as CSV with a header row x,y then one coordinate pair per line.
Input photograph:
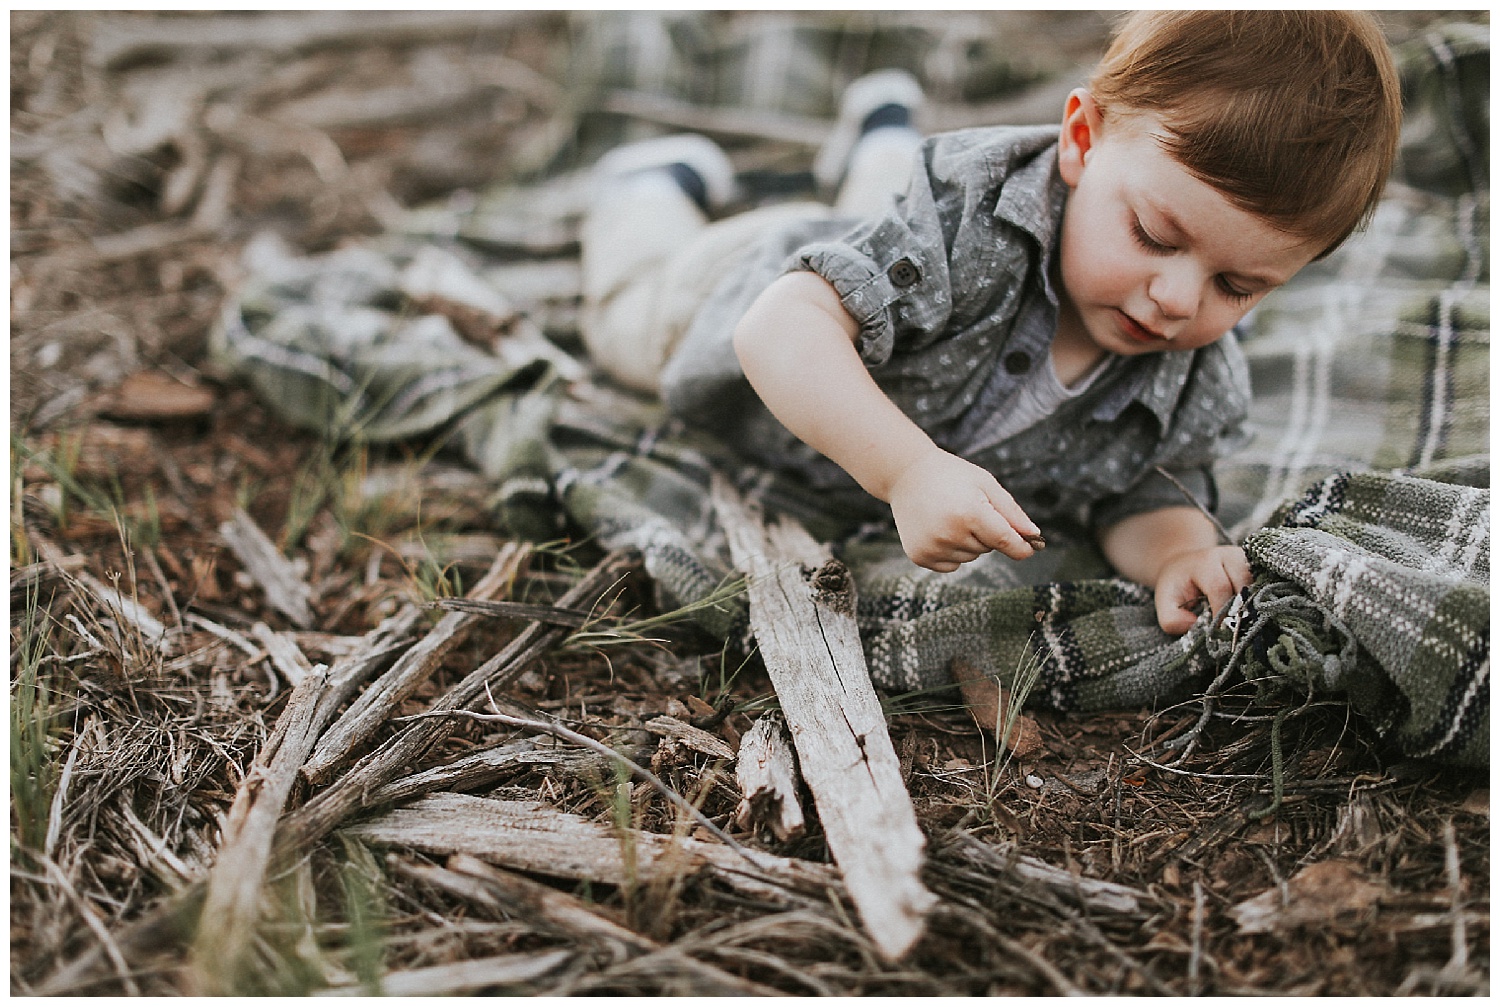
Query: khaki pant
x,y
650,256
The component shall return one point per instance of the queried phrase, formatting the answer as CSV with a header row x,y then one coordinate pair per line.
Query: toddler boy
x,y
999,329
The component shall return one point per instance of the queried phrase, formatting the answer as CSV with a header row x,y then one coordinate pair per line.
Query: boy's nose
x,y
1175,290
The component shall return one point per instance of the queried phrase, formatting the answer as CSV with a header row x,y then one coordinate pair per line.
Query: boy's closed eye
x,y
1154,246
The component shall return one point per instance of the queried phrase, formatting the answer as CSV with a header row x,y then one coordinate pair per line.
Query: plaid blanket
x,y
1361,497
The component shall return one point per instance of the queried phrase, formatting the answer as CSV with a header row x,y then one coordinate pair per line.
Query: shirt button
x,y
1017,362
903,273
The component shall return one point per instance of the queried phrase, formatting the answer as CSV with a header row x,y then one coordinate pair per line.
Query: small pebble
x,y
1033,781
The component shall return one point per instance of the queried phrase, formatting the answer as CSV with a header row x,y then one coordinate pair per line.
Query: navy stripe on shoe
x,y
690,182
889,114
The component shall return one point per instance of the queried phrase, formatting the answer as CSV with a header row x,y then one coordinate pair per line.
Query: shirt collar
x,y
1155,381
1032,194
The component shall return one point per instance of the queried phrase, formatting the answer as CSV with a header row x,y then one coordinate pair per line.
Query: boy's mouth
x,y
1138,332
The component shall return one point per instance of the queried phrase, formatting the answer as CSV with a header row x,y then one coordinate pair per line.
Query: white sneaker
x,y
861,97
700,154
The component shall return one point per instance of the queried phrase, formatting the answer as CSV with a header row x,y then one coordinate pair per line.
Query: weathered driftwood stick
x,y
286,657
802,615
471,771
284,587
467,976
767,772
353,790
539,839
490,764
117,40
568,734
1095,895
366,715
233,898
520,896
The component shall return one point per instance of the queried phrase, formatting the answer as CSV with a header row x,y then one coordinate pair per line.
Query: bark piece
x,y
379,702
284,588
767,773
154,396
689,736
802,615
989,704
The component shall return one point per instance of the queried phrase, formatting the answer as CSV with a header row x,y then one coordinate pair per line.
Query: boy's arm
x,y
797,347
1176,551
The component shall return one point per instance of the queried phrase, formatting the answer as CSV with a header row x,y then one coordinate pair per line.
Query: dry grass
x,y
134,727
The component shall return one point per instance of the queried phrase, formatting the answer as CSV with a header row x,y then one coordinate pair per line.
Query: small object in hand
x,y
1036,542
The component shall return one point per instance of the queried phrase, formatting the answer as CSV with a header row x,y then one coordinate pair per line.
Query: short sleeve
x,y
895,273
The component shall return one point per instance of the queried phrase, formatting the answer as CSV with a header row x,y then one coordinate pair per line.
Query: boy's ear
x,y
1082,125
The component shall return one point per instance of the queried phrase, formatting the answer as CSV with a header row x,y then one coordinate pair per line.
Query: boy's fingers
x,y
1018,519
1173,619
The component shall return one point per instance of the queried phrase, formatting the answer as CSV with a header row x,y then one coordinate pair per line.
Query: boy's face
x,y
1152,258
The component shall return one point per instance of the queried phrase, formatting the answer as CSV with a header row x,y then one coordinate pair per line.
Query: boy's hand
x,y
949,511
1216,574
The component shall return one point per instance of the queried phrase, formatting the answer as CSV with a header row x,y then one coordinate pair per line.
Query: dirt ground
x,y
1149,872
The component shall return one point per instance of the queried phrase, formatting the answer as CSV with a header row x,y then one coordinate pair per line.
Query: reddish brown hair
x,y
1294,115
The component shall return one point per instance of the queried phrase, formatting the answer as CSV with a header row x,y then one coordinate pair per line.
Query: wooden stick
x,y
286,657
471,771
768,777
1097,896
284,587
366,715
804,625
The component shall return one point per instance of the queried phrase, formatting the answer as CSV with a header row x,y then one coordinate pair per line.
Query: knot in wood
x,y
833,586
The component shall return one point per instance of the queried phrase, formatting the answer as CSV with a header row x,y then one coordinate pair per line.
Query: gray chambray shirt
x,y
952,293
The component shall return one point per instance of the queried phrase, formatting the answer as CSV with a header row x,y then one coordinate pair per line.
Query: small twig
x,y
161,581
567,734
1169,477
1197,776
60,798
1458,961
1195,957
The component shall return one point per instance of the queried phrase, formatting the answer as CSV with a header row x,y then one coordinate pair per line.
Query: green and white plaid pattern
x,y
1370,373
